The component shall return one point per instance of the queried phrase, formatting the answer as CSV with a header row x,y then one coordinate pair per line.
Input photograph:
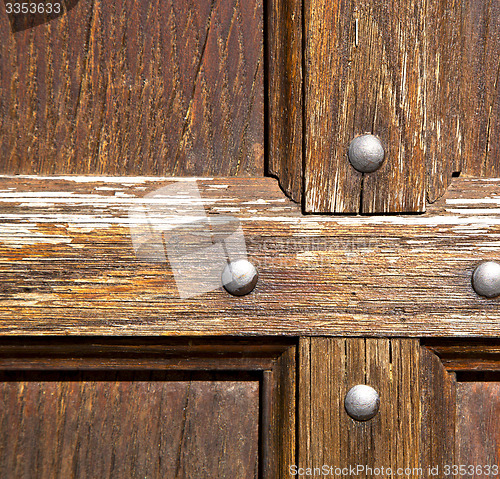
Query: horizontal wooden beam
x,y
68,264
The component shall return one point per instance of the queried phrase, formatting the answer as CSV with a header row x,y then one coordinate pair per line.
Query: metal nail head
x,y
486,279
239,277
366,153
362,402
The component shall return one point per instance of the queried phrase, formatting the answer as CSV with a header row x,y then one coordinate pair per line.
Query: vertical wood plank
x,y
328,368
284,61
364,63
438,392
279,447
443,127
330,183
480,92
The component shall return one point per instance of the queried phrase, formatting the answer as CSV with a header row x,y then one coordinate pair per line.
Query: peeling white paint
x,y
471,201
17,236
126,180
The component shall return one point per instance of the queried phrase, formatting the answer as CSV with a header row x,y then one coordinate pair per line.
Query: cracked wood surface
x,y
68,265
135,88
423,76
285,56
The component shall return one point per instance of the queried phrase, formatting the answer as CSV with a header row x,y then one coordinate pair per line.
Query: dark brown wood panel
x,y
480,92
155,407
329,367
363,75
125,88
76,425
284,54
68,265
478,427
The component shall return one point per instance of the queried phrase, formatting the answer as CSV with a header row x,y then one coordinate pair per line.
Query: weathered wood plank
x,y
470,355
443,131
480,92
284,55
68,265
462,91
127,88
278,449
363,75
328,368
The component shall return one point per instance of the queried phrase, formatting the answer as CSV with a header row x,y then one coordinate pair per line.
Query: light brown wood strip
x,y
284,54
363,76
331,185
77,424
127,88
68,264
462,91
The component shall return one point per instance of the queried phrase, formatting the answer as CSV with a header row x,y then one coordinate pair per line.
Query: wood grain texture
x,y
329,367
364,64
423,76
462,91
279,422
444,122
75,425
478,428
159,407
438,405
470,355
284,55
480,95
68,265
127,88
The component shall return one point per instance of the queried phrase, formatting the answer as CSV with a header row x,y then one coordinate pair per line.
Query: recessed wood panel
x,y
123,87
478,426
121,424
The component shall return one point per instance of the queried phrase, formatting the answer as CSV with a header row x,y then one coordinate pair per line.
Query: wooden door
x,y
122,357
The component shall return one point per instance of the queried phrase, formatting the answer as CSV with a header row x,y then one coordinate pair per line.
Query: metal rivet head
x,y
366,153
239,277
486,279
362,402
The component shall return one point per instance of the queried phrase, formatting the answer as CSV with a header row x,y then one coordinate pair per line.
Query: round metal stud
x,y
486,279
239,277
366,153
362,402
